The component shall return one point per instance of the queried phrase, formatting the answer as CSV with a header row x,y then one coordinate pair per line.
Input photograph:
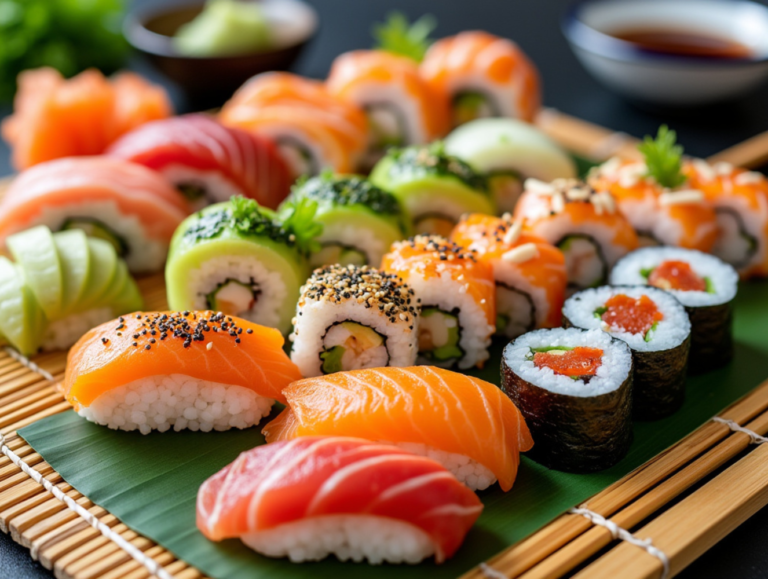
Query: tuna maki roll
x,y
655,326
360,221
241,259
434,188
350,317
574,388
706,287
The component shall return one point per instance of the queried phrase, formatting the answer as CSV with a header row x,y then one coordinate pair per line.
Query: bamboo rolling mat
x,y
66,543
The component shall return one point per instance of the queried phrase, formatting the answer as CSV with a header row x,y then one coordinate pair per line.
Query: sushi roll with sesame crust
x,y
457,295
350,317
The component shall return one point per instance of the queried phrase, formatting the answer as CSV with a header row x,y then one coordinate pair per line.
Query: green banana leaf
x,y
150,482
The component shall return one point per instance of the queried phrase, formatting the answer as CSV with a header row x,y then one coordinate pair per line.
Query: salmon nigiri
x,y
156,370
467,424
314,496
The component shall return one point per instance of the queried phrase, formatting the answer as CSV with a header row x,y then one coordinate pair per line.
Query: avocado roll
x,y
360,221
435,189
706,287
241,259
656,328
351,317
574,388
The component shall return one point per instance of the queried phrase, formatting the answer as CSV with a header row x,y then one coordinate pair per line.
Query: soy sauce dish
x,y
671,52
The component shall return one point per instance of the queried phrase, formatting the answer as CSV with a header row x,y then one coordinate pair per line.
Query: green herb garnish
x,y
598,313
398,36
646,272
648,336
664,158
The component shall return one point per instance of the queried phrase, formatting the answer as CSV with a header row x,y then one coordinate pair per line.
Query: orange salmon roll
x,y
483,76
457,295
312,129
583,223
530,273
401,107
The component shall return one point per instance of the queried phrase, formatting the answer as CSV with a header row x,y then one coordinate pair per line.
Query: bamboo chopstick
x,y
750,153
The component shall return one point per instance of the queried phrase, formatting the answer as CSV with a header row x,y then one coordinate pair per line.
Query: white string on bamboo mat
x,y
490,572
27,363
137,554
618,533
754,437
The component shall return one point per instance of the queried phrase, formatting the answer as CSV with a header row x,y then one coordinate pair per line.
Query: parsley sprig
x,y
398,36
664,158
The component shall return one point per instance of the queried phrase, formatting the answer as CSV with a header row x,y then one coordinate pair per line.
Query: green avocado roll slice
x,y
360,221
242,259
35,252
102,268
74,257
21,317
435,189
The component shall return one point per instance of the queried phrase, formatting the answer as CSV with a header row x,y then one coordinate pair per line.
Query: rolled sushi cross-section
x,y
241,259
435,189
529,273
457,294
316,496
574,388
583,223
655,326
360,221
351,317
706,287
507,152
466,424
182,370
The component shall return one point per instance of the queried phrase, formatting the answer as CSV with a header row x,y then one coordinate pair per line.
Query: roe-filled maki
x,y
574,388
655,326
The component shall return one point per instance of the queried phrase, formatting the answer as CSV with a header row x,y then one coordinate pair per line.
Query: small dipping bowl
x,y
209,81
666,78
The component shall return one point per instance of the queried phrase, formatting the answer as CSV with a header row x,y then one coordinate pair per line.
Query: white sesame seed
x,y
522,253
558,202
577,194
704,170
597,203
209,346
513,233
538,187
608,202
403,317
680,197
723,168
748,178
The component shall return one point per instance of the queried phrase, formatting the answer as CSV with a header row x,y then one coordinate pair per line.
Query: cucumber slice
x,y
75,258
128,299
21,318
332,359
116,286
98,229
35,252
103,266
439,335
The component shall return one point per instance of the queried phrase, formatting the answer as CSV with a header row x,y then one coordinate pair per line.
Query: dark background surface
x,y
534,24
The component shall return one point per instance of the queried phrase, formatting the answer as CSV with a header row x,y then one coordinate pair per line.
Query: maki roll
x,y
584,224
574,388
207,161
311,128
351,317
484,76
360,221
507,152
655,326
457,295
435,189
740,202
530,273
241,259
706,287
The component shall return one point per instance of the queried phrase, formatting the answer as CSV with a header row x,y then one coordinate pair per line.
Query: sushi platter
x,y
324,332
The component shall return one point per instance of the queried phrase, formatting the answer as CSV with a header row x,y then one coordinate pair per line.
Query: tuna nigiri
x,y
196,370
132,207
466,424
207,161
314,496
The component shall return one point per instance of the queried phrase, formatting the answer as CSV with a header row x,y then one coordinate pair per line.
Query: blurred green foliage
x,y
69,35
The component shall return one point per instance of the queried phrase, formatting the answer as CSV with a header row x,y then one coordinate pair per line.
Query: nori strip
x,y
711,337
572,433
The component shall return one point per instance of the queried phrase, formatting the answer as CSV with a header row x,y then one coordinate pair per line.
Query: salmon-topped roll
x,y
312,128
484,76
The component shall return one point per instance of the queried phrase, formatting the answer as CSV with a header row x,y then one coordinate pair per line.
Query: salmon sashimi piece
x,y
197,150
440,409
55,118
288,483
150,344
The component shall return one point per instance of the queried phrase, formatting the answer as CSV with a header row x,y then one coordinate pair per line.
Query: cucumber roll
x,y
241,259
434,188
360,221
574,388
351,317
706,287
656,328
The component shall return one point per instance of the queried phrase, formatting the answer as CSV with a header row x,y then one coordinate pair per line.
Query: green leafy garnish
x,y
664,158
646,272
300,221
398,36
599,312
709,286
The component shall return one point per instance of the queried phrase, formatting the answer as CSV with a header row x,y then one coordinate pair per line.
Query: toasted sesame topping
x,y
722,168
681,197
704,169
558,202
513,232
521,253
748,178
538,187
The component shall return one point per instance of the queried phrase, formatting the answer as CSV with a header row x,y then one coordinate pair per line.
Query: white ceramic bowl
x,y
665,79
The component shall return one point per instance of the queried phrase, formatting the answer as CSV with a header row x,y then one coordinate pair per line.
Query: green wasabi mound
x,y
60,286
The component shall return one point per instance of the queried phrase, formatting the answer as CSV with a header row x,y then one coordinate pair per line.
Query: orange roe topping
x,y
574,363
627,314
676,275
